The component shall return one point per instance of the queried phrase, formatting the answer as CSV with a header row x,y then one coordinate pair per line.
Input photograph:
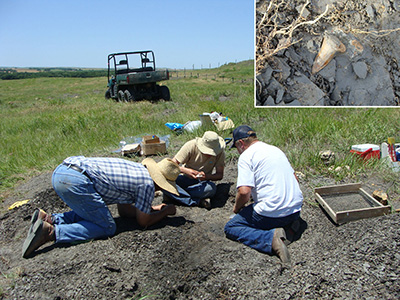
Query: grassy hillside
x,y
44,120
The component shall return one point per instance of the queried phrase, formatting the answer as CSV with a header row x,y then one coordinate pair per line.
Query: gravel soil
x,y
187,256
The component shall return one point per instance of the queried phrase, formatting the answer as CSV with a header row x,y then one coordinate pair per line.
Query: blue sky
x,y
81,33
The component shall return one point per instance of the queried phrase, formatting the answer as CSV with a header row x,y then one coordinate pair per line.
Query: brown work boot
x,y
41,214
279,247
39,234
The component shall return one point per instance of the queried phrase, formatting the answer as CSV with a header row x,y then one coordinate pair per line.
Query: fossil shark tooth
x,y
331,45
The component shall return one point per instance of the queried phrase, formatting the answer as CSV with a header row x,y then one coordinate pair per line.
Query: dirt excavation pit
x,y
187,256
289,35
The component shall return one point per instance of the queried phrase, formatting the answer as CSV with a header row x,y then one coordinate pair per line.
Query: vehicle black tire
x,y
108,94
115,92
120,96
128,96
164,91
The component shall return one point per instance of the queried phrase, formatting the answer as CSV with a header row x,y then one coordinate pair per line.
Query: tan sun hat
x,y
163,173
210,143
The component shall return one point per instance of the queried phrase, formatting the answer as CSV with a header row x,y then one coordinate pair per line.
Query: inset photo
x,y
327,53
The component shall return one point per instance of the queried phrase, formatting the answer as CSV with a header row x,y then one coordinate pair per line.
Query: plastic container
x,y
366,151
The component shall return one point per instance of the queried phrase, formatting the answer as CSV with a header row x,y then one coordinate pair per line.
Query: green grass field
x,y
44,120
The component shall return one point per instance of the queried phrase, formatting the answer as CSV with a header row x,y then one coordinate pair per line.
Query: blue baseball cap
x,y
242,132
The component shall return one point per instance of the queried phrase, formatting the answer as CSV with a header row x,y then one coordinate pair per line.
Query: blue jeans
x,y
254,230
90,217
191,191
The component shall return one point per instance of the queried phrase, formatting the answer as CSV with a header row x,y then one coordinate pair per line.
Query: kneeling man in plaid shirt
x,y
88,184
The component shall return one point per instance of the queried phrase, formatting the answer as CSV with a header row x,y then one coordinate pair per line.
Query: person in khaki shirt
x,y
202,161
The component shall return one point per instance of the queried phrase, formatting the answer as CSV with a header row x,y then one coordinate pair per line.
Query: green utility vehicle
x,y
132,76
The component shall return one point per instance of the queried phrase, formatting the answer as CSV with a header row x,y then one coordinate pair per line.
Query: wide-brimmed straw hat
x,y
210,143
163,173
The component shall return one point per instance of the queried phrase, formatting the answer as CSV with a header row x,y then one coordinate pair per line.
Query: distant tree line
x,y
7,74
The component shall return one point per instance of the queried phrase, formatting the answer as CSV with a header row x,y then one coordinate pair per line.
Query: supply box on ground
x,y
151,144
366,151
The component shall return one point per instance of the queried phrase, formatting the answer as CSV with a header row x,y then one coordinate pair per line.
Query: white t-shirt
x,y
275,190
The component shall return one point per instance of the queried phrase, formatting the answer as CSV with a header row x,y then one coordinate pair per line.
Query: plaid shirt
x,y
118,180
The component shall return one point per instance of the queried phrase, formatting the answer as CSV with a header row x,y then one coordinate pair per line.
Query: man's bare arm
x,y
158,213
242,197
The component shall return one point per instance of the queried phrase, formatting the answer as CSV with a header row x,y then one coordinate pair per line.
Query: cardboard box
x,y
150,139
366,151
150,149
151,144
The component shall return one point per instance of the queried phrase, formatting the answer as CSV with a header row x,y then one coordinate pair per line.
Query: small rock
x,y
279,96
305,13
310,45
269,102
265,76
370,12
327,156
284,69
294,102
304,90
361,69
380,196
359,97
338,169
335,96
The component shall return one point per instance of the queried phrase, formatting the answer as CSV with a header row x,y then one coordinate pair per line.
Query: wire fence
x,y
182,74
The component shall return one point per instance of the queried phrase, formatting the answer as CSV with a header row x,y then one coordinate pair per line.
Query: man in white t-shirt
x,y
266,176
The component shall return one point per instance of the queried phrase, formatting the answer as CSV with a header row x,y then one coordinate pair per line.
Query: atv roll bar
x,y
147,57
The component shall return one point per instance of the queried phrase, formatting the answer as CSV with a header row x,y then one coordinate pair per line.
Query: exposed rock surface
x,y
366,74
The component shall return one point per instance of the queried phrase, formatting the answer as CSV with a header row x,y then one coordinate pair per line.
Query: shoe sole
x,y
282,236
35,216
31,238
